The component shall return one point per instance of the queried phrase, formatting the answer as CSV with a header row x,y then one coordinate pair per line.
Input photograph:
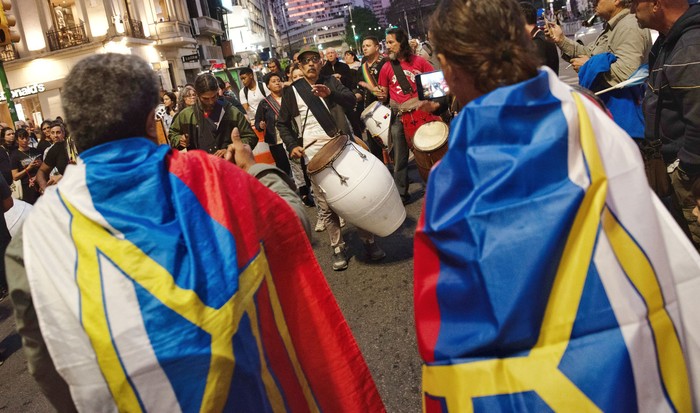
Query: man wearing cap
x,y
308,102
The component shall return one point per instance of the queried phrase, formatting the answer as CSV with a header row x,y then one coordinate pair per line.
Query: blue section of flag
x,y
624,104
494,283
516,402
247,389
597,357
143,212
183,350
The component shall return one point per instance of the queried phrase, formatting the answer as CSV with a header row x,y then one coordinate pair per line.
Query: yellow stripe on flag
x,y
634,262
291,351
221,324
271,389
459,384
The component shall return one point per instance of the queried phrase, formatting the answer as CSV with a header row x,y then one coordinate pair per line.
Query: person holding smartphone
x,y
546,51
622,37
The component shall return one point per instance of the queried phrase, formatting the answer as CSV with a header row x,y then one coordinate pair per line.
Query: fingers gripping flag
x,y
553,280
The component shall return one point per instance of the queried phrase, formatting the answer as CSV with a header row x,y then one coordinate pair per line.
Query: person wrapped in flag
x,y
154,280
548,277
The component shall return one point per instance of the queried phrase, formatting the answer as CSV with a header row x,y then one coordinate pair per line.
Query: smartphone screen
x,y
431,85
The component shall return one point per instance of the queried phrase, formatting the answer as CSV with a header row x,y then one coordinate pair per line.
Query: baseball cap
x,y
308,49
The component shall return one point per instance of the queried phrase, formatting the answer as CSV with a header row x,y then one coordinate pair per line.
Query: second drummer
x,y
368,88
311,108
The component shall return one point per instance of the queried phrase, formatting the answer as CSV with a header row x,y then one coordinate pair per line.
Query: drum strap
x,y
401,78
316,106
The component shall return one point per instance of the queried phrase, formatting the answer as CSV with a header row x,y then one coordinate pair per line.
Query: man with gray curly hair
x,y
143,279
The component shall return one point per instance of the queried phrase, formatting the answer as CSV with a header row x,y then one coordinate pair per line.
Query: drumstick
x,y
309,145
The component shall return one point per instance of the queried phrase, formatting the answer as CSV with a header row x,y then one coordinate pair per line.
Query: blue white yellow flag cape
x,y
174,282
547,275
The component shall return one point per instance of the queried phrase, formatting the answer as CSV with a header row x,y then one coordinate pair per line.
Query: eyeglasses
x,y
306,60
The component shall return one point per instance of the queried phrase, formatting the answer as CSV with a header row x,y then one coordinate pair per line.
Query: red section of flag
x,y
427,310
326,349
278,358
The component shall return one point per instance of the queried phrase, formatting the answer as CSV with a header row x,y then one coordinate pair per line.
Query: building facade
x,y
316,22
55,34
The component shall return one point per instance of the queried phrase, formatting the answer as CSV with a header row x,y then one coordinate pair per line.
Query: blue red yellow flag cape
x,y
177,282
548,277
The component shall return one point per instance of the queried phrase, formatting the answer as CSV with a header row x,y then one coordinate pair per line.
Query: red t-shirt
x,y
416,66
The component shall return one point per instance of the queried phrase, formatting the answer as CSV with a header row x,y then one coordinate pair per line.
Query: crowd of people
x,y
547,270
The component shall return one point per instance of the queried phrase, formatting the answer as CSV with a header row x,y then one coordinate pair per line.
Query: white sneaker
x,y
320,226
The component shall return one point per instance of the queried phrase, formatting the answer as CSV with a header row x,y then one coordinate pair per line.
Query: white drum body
x,y
377,118
359,188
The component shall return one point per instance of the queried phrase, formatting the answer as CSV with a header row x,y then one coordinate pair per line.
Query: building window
x,y
162,13
63,12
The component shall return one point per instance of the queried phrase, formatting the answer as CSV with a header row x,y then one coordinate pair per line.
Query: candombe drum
x,y
377,118
357,186
429,146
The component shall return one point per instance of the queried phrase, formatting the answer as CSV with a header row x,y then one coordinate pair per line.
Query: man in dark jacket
x,y
546,51
672,99
208,124
303,111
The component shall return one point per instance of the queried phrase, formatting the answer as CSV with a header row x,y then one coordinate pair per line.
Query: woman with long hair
x,y
167,109
25,163
45,140
9,145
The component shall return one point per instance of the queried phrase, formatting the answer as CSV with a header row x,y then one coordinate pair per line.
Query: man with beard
x,y
317,104
672,99
398,82
208,124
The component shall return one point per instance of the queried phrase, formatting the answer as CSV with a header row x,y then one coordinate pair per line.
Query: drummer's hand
x,y
297,152
238,152
358,97
183,140
322,91
380,93
428,106
337,75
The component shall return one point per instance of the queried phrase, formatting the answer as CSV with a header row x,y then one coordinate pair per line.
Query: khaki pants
x,y
681,185
332,220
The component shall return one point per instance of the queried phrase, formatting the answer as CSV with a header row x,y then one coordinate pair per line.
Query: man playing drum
x,y
398,82
372,64
316,103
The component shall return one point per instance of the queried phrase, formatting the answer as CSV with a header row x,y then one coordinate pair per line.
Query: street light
x,y
354,35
